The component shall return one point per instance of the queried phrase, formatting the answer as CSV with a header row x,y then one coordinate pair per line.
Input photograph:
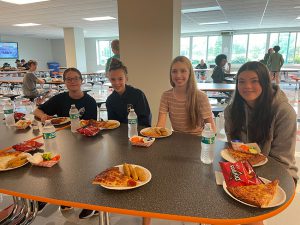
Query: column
x,y
75,48
149,33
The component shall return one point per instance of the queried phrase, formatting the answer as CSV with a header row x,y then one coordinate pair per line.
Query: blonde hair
x,y
192,94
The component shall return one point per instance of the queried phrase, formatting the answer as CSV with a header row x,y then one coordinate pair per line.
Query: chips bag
x,y
240,173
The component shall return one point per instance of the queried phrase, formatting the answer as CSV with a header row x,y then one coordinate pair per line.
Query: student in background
x,y
275,63
125,97
18,63
202,65
188,108
115,47
30,80
25,64
219,72
267,56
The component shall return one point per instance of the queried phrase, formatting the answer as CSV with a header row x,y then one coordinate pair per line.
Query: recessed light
x,y
297,7
23,2
213,23
26,24
204,9
298,18
99,18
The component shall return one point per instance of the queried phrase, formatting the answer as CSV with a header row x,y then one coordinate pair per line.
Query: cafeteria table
x,y
182,188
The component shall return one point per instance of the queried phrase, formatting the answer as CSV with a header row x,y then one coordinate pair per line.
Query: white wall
x,y
30,48
91,55
58,51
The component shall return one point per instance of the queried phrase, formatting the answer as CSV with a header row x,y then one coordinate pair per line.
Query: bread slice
x,y
259,195
252,158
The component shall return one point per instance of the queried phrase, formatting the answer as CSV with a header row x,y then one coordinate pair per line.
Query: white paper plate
x,y
142,132
139,183
225,155
278,199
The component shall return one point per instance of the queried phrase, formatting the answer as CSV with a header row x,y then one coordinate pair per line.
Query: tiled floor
x,y
52,216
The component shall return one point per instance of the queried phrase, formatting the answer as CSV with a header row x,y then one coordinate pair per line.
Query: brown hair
x,y
192,101
30,62
115,44
116,64
73,70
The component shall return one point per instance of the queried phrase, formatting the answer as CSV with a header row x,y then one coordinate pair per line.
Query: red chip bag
x,y
240,173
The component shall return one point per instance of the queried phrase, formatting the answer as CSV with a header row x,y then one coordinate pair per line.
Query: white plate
x,y
225,155
12,168
64,122
147,128
139,183
278,199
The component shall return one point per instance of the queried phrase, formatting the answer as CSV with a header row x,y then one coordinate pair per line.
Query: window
x,y
257,46
103,52
283,43
239,49
291,48
273,39
297,50
199,49
214,48
185,46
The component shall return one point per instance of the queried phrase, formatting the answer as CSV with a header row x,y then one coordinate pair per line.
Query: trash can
x,y
54,67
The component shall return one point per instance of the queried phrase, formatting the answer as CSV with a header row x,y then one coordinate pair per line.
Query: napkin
x,y
219,177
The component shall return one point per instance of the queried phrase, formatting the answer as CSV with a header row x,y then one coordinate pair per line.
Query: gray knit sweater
x,y
281,145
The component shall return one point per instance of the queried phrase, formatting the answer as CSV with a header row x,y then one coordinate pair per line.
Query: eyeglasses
x,y
75,79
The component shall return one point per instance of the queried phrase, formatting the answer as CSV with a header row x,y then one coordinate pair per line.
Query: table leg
x,y
32,210
15,212
103,218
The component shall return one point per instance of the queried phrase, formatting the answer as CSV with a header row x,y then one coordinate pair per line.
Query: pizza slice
x,y
12,159
112,177
259,195
252,158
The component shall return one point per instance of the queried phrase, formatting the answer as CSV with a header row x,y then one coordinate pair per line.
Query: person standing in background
x,y
275,63
115,47
267,56
30,80
25,64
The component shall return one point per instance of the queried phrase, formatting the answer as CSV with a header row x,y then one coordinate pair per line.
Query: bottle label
x,y
207,140
49,135
132,121
8,111
74,116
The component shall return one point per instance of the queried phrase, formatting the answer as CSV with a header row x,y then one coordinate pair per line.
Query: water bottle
x,y
132,123
74,117
49,135
9,113
207,144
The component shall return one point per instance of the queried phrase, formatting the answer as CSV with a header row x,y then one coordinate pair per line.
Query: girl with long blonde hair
x,y
188,108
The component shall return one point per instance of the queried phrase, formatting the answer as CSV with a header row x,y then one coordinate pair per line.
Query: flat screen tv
x,y
9,50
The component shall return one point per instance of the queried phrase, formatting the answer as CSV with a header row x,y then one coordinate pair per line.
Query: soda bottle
x,y
74,117
132,123
49,135
9,113
207,144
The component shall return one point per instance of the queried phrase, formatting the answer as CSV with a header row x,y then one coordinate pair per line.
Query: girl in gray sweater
x,y
260,112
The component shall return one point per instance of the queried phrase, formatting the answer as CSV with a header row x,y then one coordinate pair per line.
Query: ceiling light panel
x,y
204,9
100,18
26,24
23,2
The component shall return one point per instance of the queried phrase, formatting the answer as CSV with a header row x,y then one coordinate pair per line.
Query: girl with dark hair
x,y
260,112
125,97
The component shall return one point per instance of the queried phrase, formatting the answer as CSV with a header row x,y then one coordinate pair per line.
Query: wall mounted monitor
x,y
9,50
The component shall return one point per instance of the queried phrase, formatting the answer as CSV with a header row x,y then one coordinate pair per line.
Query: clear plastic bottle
x,y
74,117
49,136
132,123
9,113
207,144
